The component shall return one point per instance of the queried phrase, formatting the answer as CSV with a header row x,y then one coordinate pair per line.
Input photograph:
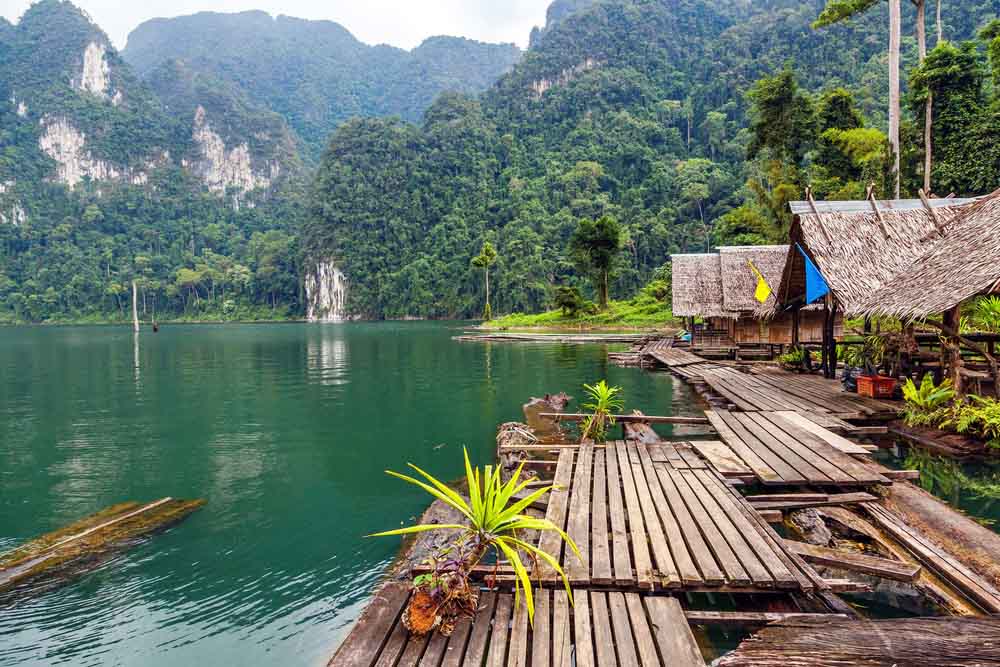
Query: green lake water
x,y
285,430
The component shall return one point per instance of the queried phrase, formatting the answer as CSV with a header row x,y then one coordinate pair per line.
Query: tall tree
x,y
484,260
595,246
837,11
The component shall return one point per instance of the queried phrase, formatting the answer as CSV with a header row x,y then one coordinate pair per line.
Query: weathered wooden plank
x,y
783,497
562,654
711,573
932,556
844,462
578,524
600,549
645,419
855,562
732,531
722,458
583,630
415,647
393,647
752,451
730,504
438,645
915,642
377,621
644,643
541,637
765,473
831,500
500,631
838,442
806,579
723,553
476,649
678,647
517,655
550,541
815,469
624,640
604,642
622,561
671,530
698,616
664,562
637,528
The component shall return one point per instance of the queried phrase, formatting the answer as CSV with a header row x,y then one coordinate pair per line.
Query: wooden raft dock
x,y
598,629
780,449
658,517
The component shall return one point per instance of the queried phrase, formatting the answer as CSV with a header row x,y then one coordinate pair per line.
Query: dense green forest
x,y
681,124
691,123
107,176
315,74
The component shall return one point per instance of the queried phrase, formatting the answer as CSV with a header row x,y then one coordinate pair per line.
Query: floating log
x,y
915,642
902,474
855,562
89,538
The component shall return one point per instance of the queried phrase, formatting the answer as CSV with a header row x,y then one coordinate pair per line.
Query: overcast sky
x,y
403,23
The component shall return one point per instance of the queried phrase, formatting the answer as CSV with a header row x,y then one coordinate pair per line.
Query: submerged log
x,y
913,642
87,540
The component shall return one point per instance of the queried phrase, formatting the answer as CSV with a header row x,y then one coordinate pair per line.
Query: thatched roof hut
x,y
857,249
697,286
963,264
739,282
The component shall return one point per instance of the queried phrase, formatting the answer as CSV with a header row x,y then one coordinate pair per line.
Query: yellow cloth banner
x,y
763,291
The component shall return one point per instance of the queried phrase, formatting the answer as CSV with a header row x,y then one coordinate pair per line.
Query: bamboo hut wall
x,y
751,330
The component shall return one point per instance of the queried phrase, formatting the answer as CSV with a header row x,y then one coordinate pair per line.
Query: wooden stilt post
x,y
825,349
951,352
832,354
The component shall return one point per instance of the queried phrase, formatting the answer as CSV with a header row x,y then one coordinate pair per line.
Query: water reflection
x,y
327,357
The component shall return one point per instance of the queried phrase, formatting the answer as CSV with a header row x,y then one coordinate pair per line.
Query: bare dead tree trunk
x,y
940,26
895,36
929,108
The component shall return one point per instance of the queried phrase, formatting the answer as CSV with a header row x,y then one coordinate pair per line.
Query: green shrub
x,y
927,404
980,417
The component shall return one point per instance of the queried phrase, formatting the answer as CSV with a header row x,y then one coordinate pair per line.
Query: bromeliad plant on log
x,y
495,522
603,404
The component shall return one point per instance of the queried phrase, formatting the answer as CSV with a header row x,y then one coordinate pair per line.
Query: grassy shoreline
x,y
642,313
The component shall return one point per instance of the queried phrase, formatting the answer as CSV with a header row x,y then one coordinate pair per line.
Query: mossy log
x,y
86,540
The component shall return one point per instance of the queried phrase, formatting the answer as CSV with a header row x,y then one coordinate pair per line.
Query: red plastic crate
x,y
876,387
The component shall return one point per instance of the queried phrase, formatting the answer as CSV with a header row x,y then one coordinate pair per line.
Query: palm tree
x,y
484,260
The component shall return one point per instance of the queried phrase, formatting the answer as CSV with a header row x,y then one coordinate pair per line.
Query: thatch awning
x,y
739,282
963,264
697,286
859,251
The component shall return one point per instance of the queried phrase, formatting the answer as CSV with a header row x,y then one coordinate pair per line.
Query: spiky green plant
x,y
603,404
926,404
986,314
980,416
495,521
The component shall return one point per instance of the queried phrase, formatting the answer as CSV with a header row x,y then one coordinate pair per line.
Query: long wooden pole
x,y
895,37
135,307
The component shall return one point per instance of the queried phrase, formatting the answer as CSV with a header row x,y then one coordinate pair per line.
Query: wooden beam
x,y
648,419
909,475
753,617
855,562
831,500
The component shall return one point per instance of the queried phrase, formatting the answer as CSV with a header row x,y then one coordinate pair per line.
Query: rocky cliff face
x,y
326,293
224,168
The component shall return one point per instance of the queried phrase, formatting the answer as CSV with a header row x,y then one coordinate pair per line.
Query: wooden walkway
x,y
598,629
779,449
657,516
774,390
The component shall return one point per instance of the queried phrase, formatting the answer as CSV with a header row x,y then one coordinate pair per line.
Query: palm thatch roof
x,y
961,265
739,282
697,286
858,250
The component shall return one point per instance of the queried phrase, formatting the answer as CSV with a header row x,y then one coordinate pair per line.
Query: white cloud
x,y
402,23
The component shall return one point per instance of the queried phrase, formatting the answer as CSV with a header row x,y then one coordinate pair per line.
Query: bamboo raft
x,y
88,540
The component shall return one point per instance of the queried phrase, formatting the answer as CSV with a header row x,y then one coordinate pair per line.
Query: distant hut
x,y
857,247
951,268
719,289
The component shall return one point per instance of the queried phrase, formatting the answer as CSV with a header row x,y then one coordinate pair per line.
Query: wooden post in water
x,y
951,351
135,309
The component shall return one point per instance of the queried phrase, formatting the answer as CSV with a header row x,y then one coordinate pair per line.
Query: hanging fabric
x,y
816,285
